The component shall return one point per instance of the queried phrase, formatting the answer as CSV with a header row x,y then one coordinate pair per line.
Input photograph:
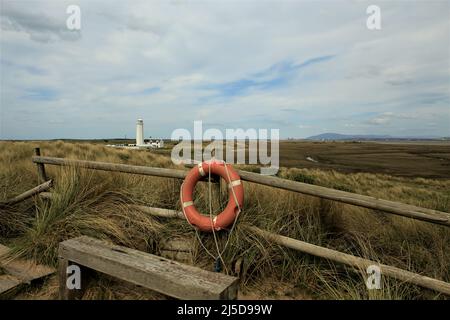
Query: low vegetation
x,y
98,204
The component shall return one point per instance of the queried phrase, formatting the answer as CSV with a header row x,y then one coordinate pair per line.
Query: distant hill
x,y
338,136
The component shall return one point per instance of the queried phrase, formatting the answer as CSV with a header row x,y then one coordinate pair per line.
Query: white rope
x,y
231,185
195,229
220,253
237,203
212,221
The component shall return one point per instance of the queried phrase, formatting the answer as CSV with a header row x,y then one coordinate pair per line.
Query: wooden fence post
x,y
42,177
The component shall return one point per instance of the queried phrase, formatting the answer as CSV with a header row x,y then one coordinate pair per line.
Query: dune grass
x,y
98,204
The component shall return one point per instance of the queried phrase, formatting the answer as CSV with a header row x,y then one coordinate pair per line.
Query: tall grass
x,y
98,204
82,204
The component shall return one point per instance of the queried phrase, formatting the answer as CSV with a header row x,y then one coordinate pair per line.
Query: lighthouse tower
x,y
140,132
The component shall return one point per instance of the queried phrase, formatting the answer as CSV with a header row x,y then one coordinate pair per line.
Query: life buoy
x,y
235,202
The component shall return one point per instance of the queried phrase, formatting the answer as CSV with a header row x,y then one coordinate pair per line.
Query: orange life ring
x,y
227,216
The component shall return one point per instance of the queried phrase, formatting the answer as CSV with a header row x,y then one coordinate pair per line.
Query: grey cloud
x,y
146,25
382,120
399,82
382,72
386,118
368,72
433,97
135,22
37,24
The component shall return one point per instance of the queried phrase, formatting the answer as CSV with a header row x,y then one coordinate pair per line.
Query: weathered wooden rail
x,y
400,209
28,194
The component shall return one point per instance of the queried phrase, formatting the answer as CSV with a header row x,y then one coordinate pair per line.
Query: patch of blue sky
x,y
147,91
40,94
30,69
276,76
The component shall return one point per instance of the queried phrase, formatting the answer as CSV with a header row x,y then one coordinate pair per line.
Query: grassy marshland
x,y
98,204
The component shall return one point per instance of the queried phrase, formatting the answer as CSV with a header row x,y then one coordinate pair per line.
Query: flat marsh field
x,y
426,159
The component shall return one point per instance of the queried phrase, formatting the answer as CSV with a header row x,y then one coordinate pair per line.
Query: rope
x,y
195,229
237,203
219,257
212,222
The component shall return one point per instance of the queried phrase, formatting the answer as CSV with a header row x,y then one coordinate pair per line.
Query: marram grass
x,y
99,204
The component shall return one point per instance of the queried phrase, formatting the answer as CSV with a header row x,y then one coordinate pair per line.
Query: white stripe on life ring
x,y
214,224
188,204
234,183
200,170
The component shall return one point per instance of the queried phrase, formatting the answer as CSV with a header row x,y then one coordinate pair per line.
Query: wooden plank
x,y
405,210
8,282
163,275
28,194
19,271
25,270
42,176
340,257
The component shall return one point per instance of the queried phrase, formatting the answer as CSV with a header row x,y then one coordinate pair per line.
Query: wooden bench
x,y
150,271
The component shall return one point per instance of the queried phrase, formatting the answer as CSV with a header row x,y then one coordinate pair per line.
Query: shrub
x,y
301,177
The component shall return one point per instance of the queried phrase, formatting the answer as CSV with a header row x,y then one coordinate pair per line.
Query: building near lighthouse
x,y
141,143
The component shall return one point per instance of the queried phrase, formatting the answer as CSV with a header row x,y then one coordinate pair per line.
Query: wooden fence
x,y
400,209
369,202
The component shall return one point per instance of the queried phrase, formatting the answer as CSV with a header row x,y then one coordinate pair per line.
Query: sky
x,y
304,68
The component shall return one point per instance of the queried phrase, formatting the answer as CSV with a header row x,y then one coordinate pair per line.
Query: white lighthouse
x,y
140,142
140,132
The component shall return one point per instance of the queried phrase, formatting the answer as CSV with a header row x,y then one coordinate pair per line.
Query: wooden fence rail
x,y
28,194
410,211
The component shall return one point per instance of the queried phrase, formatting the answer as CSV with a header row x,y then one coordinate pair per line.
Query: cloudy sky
x,y
302,67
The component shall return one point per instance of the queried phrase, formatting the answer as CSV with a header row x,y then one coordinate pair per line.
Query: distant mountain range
x,y
338,136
